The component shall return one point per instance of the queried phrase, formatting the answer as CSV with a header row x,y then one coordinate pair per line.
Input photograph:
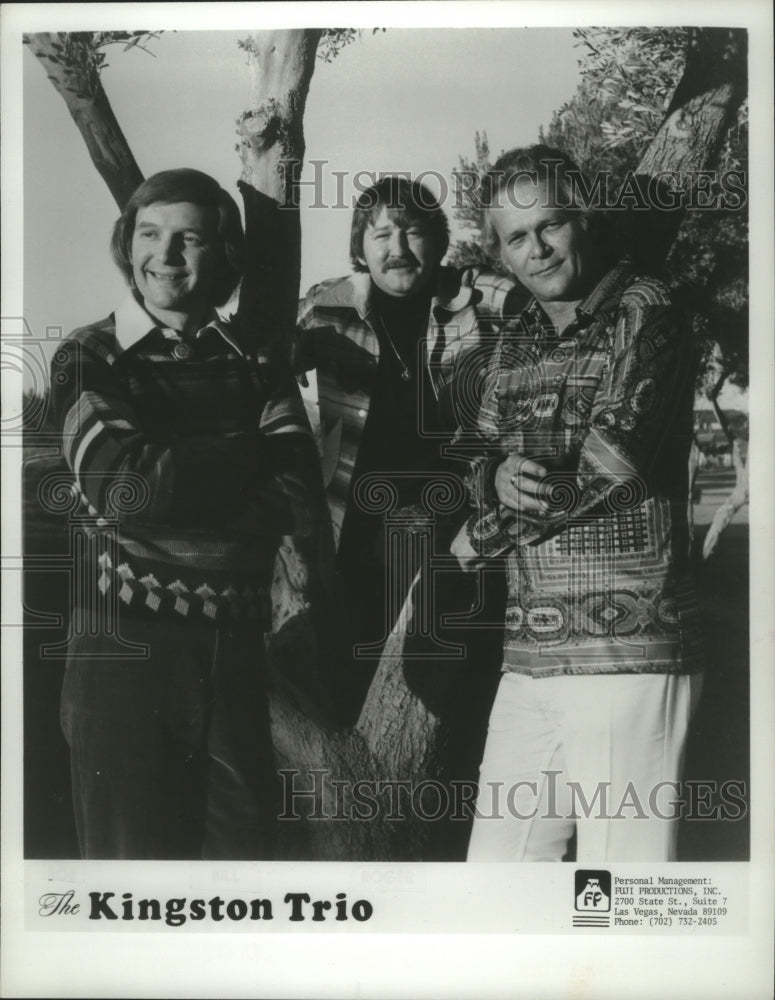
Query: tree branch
x,y
79,86
713,396
704,104
701,111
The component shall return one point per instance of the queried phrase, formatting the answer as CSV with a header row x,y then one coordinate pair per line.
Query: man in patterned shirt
x,y
581,484
186,450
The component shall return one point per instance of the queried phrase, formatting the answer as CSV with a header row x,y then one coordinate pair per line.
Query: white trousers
x,y
601,754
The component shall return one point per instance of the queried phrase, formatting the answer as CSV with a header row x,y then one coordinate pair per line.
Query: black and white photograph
x,y
380,555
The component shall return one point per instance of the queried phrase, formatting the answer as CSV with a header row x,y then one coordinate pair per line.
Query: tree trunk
x,y
739,494
704,104
732,504
702,109
694,468
90,108
271,148
312,753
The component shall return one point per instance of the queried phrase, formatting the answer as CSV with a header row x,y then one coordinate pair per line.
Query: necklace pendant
x,y
406,375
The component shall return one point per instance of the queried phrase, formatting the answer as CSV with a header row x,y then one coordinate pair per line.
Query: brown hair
x,y
406,202
185,184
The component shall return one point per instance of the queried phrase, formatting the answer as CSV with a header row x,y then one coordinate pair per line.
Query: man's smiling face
x,y
175,256
401,256
545,247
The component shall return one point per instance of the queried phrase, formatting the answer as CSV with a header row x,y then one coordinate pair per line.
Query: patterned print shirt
x,y
600,582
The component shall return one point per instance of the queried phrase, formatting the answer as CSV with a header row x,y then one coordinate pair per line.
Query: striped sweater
x,y
186,458
601,582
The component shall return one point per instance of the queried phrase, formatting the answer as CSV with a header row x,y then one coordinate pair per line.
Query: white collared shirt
x,y
133,322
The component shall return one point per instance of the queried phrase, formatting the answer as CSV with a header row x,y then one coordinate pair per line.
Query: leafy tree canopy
x,y
82,55
628,76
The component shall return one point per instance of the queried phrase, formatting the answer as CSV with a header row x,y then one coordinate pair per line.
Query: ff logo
x,y
592,899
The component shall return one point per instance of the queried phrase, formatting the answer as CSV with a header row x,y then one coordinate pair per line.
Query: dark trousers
x,y
171,754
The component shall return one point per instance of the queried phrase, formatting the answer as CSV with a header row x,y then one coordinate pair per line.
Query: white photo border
x,y
518,961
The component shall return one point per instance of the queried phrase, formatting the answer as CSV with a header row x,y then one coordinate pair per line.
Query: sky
x,y
401,99
397,100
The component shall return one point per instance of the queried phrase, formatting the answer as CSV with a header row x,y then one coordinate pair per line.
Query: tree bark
x,y
736,499
739,495
271,148
90,109
704,104
694,468
702,109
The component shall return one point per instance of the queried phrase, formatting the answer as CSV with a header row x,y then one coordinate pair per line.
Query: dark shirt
x,y
398,437
400,444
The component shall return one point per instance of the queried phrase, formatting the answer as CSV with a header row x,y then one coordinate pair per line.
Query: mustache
x,y
410,261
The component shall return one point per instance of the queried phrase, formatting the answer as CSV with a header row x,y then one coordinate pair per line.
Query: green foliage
x,y
628,76
708,270
333,40
81,54
468,251
579,128
467,212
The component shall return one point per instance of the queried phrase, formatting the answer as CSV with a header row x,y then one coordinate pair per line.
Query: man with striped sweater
x,y
185,448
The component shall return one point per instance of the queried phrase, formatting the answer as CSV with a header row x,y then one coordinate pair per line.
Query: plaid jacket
x,y
600,583
187,461
336,336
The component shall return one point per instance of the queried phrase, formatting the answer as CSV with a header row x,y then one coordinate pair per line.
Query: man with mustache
x,y
384,342
581,484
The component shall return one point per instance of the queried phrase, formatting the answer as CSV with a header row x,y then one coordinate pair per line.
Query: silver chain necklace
x,y
406,375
